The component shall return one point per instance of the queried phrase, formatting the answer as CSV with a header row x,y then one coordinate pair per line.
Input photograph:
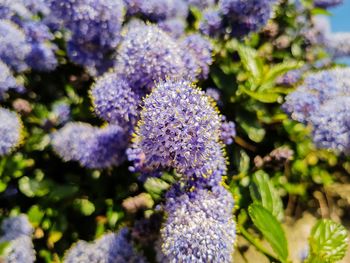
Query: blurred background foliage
x,y
273,162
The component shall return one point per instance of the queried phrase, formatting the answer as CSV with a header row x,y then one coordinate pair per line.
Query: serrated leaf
x,y
271,229
263,192
328,242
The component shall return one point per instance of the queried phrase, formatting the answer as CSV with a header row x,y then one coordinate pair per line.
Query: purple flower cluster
x,y
147,55
114,100
95,29
291,77
157,10
338,44
179,128
321,101
236,17
228,131
92,147
201,50
7,80
175,27
211,23
18,231
28,42
61,112
42,53
109,248
201,4
199,227
13,46
327,3
246,16
10,130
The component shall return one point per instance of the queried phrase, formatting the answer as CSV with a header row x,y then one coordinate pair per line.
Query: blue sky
x,y
340,21
340,18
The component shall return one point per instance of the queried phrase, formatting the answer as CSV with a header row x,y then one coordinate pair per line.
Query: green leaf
x,y
32,187
222,80
263,192
3,247
320,11
156,186
279,70
250,62
84,206
251,126
271,229
35,215
328,242
264,97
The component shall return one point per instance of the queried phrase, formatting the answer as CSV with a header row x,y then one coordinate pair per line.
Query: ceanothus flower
x,y
14,10
90,21
10,130
214,94
14,227
211,23
291,77
147,55
327,3
95,28
42,52
175,27
201,4
228,131
244,16
300,104
92,147
322,101
110,248
18,231
157,10
114,100
61,112
37,6
331,125
179,129
338,44
7,80
199,227
201,50
13,46
317,89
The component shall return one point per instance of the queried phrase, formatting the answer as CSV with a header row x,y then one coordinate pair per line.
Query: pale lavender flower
x,y
92,147
114,100
10,130
199,227
201,49
179,129
147,55
110,248
13,46
18,231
